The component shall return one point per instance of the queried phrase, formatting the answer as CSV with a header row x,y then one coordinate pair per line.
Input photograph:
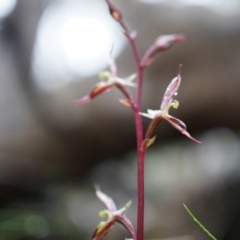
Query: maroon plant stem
x,y
141,155
139,132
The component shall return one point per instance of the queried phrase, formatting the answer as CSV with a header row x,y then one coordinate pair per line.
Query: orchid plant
x,y
162,43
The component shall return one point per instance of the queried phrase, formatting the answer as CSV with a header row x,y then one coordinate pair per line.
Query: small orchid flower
x,y
163,113
111,80
113,215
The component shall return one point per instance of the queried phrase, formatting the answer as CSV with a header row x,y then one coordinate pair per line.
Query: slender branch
x,y
139,131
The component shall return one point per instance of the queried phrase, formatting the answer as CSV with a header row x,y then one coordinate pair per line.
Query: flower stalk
x,y
139,130
109,80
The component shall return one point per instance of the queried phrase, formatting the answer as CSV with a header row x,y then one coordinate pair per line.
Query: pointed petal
x,y
100,88
105,199
82,101
123,220
123,210
125,92
130,84
154,113
131,77
125,82
180,126
146,115
171,90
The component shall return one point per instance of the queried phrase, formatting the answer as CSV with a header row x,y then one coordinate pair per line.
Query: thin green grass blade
x,y
199,224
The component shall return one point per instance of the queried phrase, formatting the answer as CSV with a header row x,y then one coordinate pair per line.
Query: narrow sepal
x,y
152,126
128,225
82,101
109,203
102,229
125,92
126,102
126,81
99,88
131,78
122,211
180,126
146,115
171,90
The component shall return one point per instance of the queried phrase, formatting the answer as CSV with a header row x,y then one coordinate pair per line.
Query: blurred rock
x,y
44,139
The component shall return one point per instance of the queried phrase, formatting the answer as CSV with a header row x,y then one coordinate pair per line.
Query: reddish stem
x,y
139,132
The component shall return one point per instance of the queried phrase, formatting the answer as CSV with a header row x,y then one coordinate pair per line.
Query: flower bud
x,y
161,44
114,11
164,42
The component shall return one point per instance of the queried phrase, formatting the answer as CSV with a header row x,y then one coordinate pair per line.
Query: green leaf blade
x,y
199,224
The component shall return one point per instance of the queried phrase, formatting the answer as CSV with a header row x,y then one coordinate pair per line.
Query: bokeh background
x,y
51,153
